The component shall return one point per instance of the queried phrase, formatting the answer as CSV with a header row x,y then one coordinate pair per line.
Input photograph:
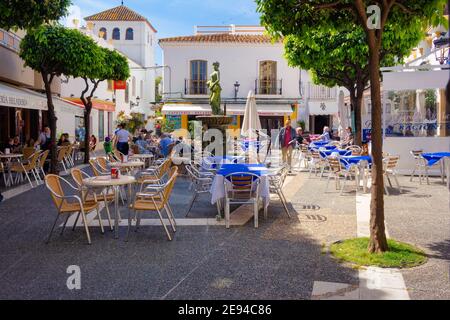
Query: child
x,y
107,145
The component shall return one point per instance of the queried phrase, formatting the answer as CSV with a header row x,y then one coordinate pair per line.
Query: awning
x,y
323,108
176,109
96,104
16,97
263,109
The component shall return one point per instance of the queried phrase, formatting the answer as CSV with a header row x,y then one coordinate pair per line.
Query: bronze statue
x,y
215,89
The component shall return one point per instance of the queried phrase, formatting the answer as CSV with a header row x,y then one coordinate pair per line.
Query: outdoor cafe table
x,y
217,161
146,157
131,165
328,153
218,187
106,181
361,162
436,157
9,158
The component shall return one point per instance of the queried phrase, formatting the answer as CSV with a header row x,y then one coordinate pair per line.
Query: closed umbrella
x,y
343,115
251,121
251,124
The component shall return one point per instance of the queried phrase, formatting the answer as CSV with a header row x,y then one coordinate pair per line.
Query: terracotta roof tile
x,y
120,13
221,37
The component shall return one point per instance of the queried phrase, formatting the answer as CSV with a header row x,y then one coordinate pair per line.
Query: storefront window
x,y
416,113
101,125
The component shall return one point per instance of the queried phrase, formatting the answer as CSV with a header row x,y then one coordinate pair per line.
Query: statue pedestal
x,y
217,122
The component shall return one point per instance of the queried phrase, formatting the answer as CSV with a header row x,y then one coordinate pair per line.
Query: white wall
x,y
403,145
140,49
238,62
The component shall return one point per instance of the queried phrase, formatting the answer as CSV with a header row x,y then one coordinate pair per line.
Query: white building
x,y
249,60
131,34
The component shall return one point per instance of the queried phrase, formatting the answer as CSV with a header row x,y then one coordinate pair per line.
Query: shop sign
x,y
13,101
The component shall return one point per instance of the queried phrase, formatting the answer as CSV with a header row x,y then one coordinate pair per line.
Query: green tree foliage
x,y
53,51
297,17
28,14
100,64
340,58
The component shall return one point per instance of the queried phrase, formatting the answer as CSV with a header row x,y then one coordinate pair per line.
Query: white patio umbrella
x,y
250,124
251,121
343,114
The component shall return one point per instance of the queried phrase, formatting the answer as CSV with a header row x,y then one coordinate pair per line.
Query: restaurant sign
x,y
13,101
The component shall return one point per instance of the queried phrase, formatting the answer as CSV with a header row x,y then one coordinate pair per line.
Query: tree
x,y
53,51
28,14
99,64
297,17
340,58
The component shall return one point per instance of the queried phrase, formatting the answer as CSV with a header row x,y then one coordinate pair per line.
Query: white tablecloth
x,y
218,189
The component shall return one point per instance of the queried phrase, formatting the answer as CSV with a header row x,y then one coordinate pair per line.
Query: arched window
x,y
129,34
102,33
116,34
197,82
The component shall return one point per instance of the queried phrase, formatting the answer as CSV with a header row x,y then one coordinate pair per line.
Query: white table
x,y
218,190
9,158
107,181
147,158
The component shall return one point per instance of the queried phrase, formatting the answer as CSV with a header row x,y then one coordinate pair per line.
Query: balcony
x,y
9,40
268,87
318,92
195,87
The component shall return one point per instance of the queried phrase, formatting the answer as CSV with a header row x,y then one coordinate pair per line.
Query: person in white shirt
x,y
326,134
122,138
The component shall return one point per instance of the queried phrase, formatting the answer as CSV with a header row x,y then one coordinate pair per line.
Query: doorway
x,y
318,122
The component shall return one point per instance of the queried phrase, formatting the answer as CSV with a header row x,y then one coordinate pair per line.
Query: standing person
x,y
44,140
165,144
122,138
287,140
107,146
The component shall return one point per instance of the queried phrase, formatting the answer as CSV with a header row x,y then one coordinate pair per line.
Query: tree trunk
x,y
52,124
87,128
378,241
356,101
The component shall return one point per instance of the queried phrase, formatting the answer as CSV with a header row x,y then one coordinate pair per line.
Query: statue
x,y
214,87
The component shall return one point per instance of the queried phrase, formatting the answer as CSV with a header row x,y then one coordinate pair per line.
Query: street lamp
x,y
442,45
236,89
138,100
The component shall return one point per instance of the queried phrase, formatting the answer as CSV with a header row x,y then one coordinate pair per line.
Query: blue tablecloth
x,y
327,153
320,143
349,161
258,169
434,158
213,162
317,147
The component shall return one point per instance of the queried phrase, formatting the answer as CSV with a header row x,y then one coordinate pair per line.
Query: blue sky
x,y
177,17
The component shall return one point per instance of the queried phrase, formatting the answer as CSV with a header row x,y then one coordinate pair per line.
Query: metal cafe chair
x,y
199,184
241,188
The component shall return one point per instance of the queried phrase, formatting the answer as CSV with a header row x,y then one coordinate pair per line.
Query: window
x,y
103,33
116,34
129,35
127,94
142,89
101,125
197,82
267,77
110,124
133,89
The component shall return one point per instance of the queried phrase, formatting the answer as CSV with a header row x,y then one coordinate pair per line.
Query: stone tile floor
x,y
283,259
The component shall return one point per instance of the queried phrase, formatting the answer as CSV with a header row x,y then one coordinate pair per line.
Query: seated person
x,y
165,145
10,145
348,138
64,140
299,136
325,135
143,146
